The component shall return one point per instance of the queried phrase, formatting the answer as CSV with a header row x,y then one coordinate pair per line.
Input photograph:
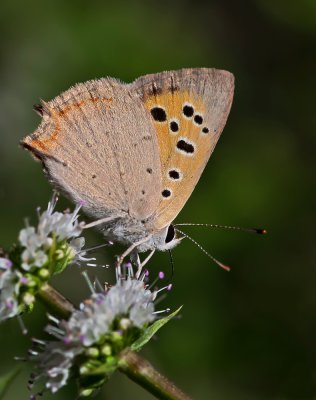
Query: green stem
x,y
130,363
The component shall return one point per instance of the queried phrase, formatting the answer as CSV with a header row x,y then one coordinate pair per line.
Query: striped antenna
x,y
225,267
234,228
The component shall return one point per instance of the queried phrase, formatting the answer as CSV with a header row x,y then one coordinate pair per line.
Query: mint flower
x,y
42,251
10,282
53,229
89,343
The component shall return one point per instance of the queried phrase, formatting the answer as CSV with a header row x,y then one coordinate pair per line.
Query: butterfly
x,y
133,153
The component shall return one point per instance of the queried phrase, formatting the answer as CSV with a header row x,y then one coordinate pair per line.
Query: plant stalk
x,y
56,303
142,372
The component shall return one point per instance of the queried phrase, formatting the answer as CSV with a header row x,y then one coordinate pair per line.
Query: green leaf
x,y
7,379
151,330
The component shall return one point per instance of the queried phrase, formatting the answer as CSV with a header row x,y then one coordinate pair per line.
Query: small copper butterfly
x,y
133,153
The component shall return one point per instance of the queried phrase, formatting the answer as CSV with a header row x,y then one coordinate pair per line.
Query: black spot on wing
x,y
159,114
198,119
188,111
147,137
166,193
174,174
174,126
185,146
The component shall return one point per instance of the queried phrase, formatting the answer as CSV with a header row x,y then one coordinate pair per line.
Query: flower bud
x,y
28,299
44,273
93,352
125,323
106,350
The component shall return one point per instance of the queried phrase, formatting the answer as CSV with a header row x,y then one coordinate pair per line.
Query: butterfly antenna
x,y
259,231
172,263
225,267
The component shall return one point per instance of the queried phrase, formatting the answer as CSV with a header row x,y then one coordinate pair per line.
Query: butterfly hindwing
x,y
97,146
188,109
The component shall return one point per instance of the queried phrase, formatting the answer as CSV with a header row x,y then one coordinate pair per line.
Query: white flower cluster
x,y
107,316
20,280
53,364
36,241
128,300
10,282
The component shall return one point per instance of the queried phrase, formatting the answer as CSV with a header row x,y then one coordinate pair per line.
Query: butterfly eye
x,y
170,234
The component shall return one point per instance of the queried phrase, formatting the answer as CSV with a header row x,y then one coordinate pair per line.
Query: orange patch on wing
x,y
48,143
79,104
189,164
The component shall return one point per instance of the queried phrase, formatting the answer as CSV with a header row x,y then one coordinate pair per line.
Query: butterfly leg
x,y
135,259
140,264
130,249
147,258
98,222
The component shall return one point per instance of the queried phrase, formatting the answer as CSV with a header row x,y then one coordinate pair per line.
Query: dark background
x,y
247,334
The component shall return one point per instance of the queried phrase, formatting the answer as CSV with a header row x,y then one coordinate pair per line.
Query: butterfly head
x,y
163,240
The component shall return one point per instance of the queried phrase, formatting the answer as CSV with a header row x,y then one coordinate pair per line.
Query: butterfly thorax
x,y
128,231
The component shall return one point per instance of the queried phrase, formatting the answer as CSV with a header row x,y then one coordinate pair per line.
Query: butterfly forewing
x,y
188,109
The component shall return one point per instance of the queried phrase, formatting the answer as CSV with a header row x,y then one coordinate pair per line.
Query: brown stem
x,y
142,372
55,302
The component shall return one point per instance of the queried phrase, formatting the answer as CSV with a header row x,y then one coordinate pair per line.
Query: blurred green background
x,y
247,334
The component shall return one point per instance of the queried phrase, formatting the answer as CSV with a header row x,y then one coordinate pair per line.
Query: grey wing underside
x,y
98,145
